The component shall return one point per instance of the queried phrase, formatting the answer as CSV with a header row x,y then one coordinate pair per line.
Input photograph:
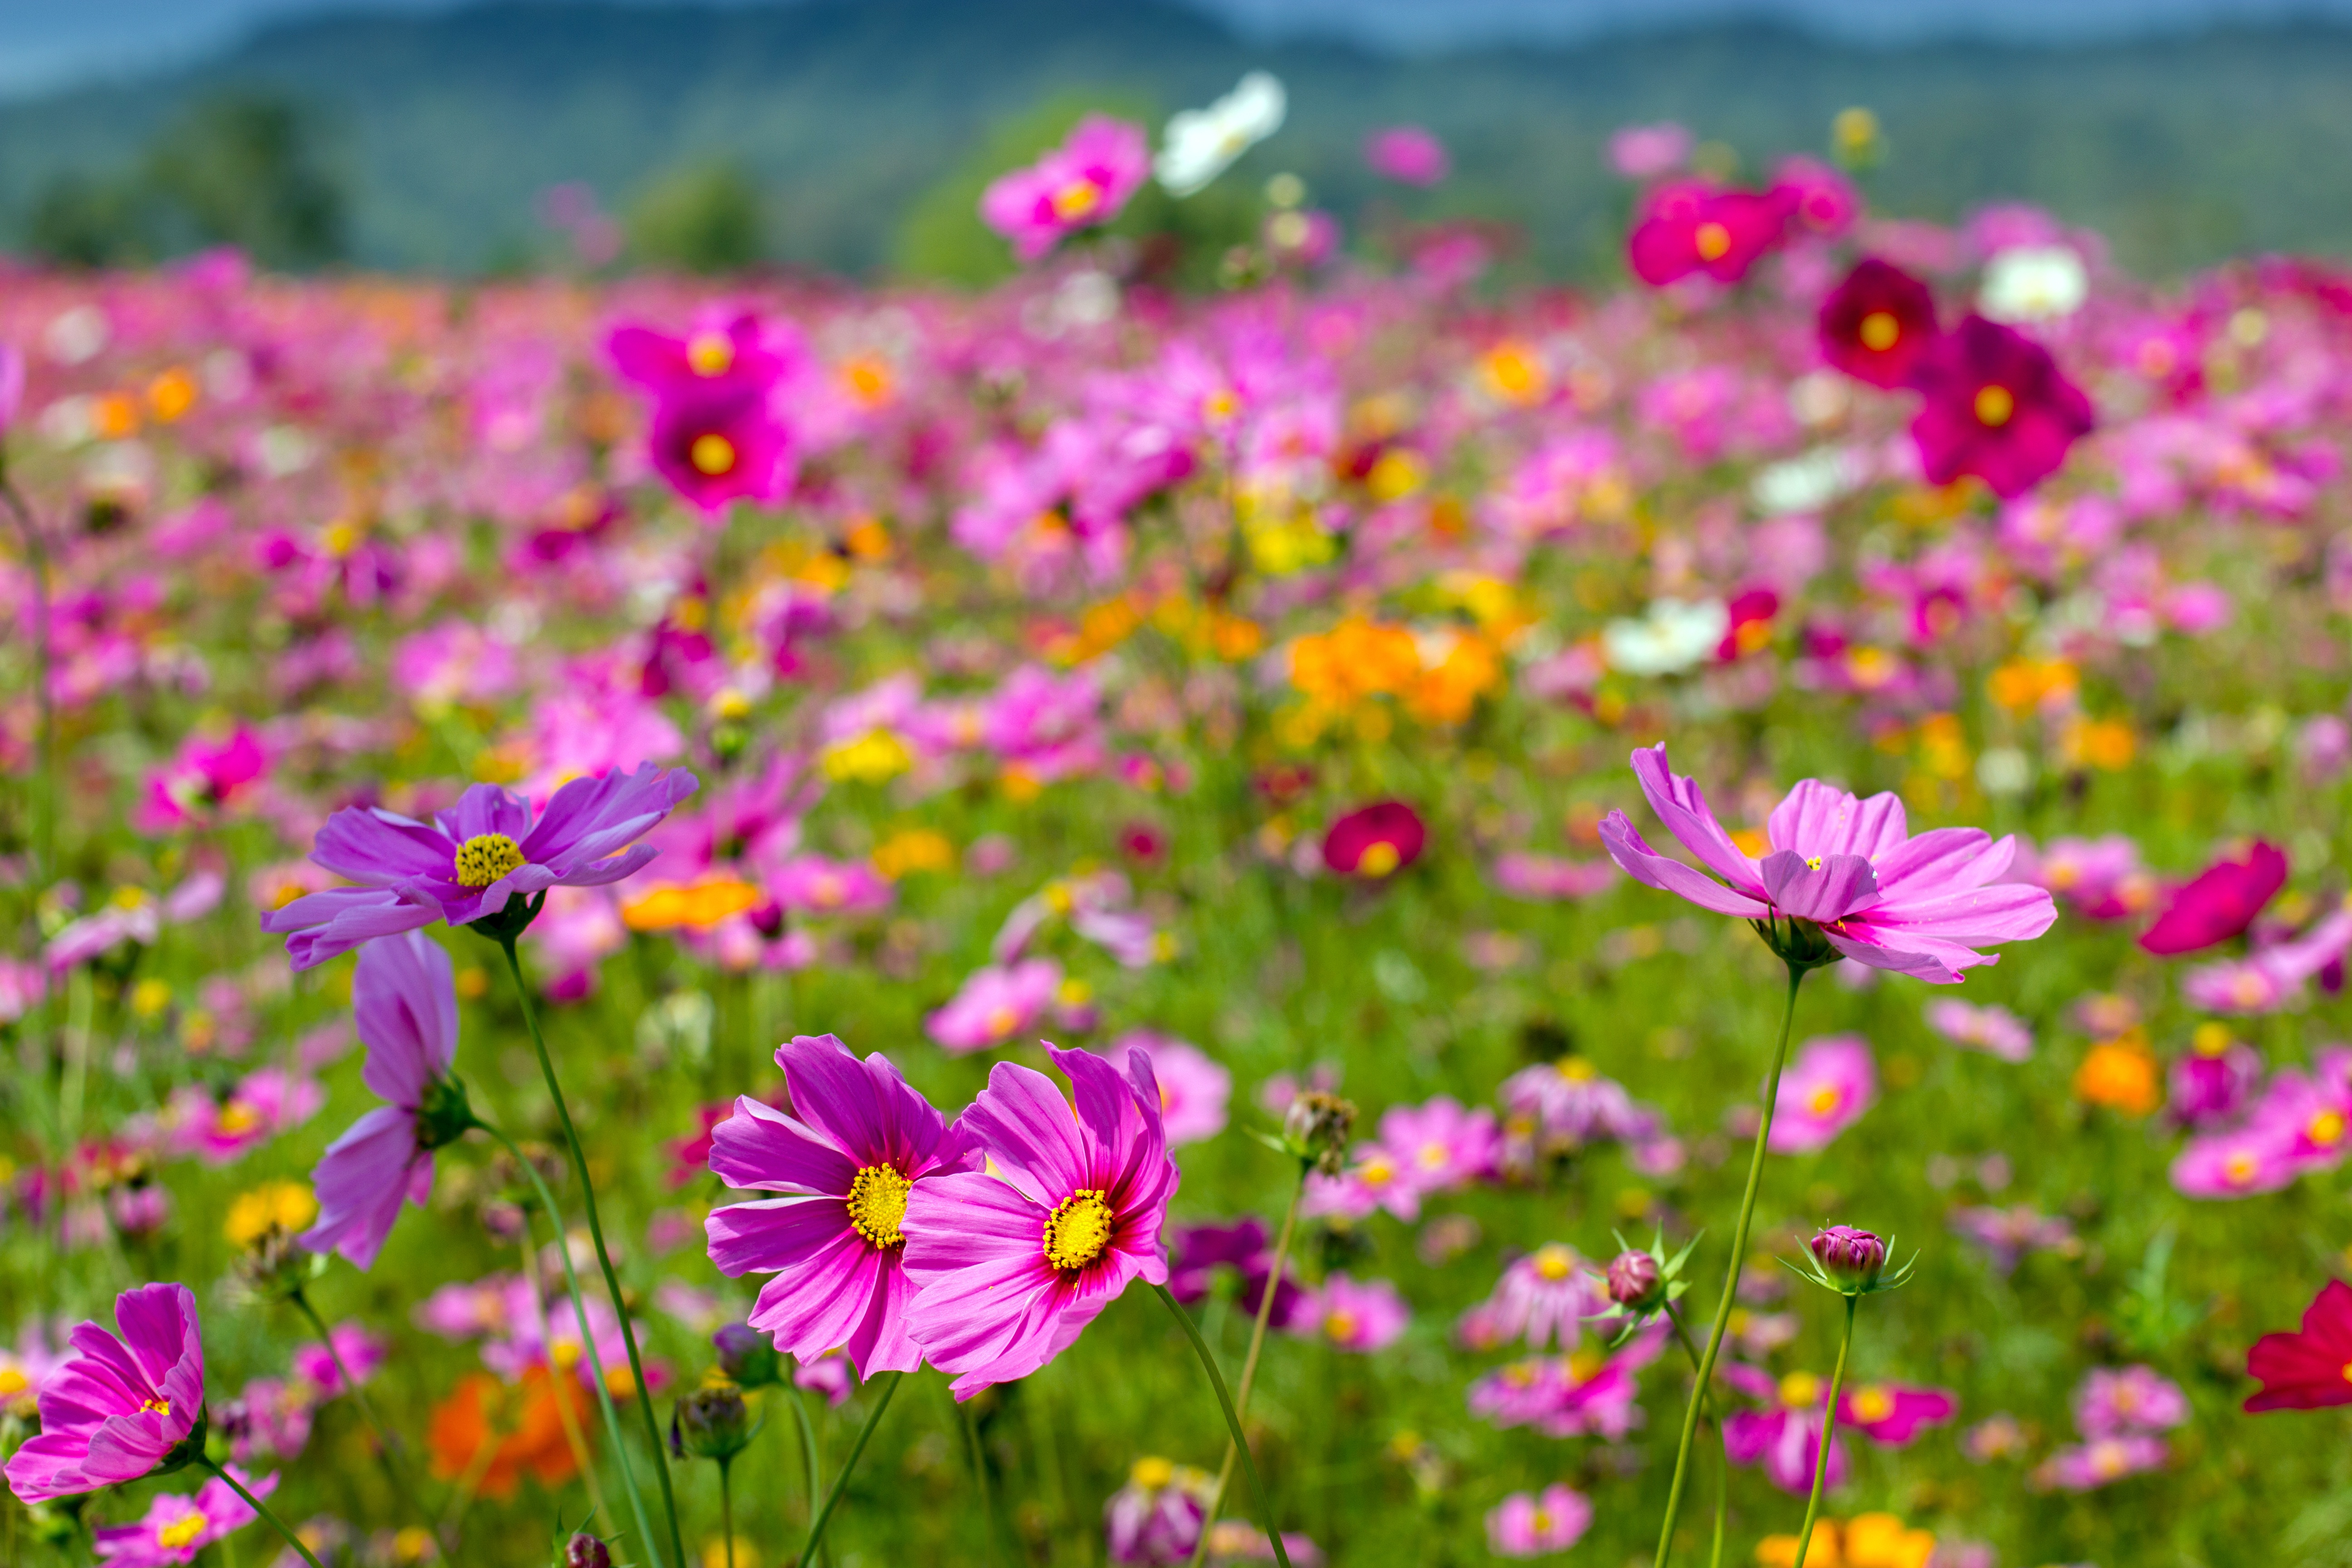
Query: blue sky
x,y
51,42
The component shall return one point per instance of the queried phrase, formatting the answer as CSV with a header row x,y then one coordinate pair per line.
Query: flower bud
x,y
585,1551
748,1356
1852,1258
1315,1127
1635,1281
275,1267
711,1422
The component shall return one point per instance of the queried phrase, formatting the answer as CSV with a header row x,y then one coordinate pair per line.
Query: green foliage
x,y
705,218
86,221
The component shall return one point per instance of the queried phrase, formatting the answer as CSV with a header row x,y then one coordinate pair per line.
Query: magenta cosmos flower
x,y
1689,225
1011,1264
404,1001
2304,1370
1892,1414
859,1146
2217,903
994,1004
1878,324
1085,182
1375,841
121,1408
1548,1292
175,1527
1828,1086
1407,154
1362,1316
1998,408
1193,1085
1847,867
471,859
1530,1525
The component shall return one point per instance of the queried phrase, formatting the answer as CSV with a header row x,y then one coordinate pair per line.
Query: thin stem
x,y
727,1509
262,1509
605,1258
1731,1277
833,1497
980,1479
808,1451
1249,1366
396,1458
1233,1422
1829,1432
572,1436
1722,1460
587,1341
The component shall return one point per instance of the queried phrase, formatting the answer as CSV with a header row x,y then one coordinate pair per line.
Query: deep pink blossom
x,y
1996,407
122,1407
1407,154
1689,225
1084,183
994,1004
1533,1525
1891,1414
175,1528
2304,1370
1356,1315
2217,903
1826,1090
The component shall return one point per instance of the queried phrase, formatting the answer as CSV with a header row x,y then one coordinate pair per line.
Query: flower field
x,y
1505,803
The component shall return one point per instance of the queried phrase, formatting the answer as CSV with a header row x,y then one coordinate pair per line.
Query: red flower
x,y
2311,1370
1996,407
1688,226
1375,841
1751,611
1878,324
2217,903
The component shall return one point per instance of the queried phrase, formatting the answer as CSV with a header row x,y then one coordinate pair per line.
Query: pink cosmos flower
x,y
175,1528
1689,225
813,885
2303,1123
861,1145
2210,1084
361,1351
1824,1091
1891,1414
1559,1107
2217,903
1082,184
469,860
723,443
2241,1162
1582,1393
122,1407
405,1001
1646,151
206,777
2272,976
2127,1400
1820,201
1011,1266
1549,1292
1996,1031
1375,841
2101,1462
1785,1438
2009,1234
994,1006
1524,1525
1356,1316
1194,1086
1154,1521
1407,154
2304,1370
721,348
263,1104
1439,1145
1996,407
1850,866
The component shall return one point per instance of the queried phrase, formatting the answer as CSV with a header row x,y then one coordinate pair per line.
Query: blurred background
x,y
855,136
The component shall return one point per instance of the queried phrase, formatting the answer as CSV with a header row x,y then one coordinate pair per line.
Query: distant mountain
x,y
845,111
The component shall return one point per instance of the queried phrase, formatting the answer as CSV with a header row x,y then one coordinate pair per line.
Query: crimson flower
x,y
1878,324
1689,225
2306,1369
2217,903
1998,408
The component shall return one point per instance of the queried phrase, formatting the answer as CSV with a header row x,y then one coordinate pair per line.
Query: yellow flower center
x,y
1584,1365
1542,1521
2210,1039
2348,1371
2239,1170
1340,1325
2327,1128
485,857
1873,1403
1801,1391
13,1382
1076,199
711,454
2249,989
1880,331
1377,1171
1433,1156
1078,1229
1002,1022
237,1117
159,1405
1378,860
711,354
1823,1101
1713,241
182,1532
1152,1473
1554,1261
877,1204
1994,406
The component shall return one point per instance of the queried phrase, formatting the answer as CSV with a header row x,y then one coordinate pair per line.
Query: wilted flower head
x,y
1316,1126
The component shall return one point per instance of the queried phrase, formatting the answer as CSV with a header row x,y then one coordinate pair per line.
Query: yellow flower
x,y
290,1205
913,850
874,757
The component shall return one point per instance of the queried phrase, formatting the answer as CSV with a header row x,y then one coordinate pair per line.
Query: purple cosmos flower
x,y
1891,1414
1377,1180
353,1345
1010,1267
175,1528
469,860
994,1004
1197,1251
1850,866
861,1145
404,1001
1825,1090
1549,1292
1996,1031
2101,1462
263,1104
1194,1086
121,1408
1362,1316
2009,1234
2212,1084
1530,1525
1155,1520
2272,976
2130,1399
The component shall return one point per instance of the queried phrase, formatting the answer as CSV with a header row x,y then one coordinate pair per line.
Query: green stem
x,y
727,1509
396,1458
1731,1279
1233,1422
603,1258
262,1509
808,1450
1829,1431
1249,1364
1723,1459
587,1339
833,1497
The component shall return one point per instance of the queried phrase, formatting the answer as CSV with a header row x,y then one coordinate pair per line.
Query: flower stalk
x,y
833,1497
1249,1363
1233,1421
262,1509
1829,1432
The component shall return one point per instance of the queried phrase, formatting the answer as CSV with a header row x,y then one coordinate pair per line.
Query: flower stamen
x,y
1079,1230
877,1204
486,856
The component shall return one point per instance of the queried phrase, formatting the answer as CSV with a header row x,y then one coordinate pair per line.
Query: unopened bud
x,y
748,1356
585,1551
1315,1127
711,1422
1853,1259
1633,1281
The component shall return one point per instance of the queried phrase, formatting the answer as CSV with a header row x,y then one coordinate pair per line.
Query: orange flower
x,y
1446,693
1355,659
523,1420
701,905
2120,1074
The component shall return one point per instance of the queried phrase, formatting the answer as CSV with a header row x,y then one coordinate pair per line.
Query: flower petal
x,y
1652,869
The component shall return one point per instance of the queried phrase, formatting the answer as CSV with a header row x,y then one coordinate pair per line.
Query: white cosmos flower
x,y
1806,483
1202,143
1672,636
2033,283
